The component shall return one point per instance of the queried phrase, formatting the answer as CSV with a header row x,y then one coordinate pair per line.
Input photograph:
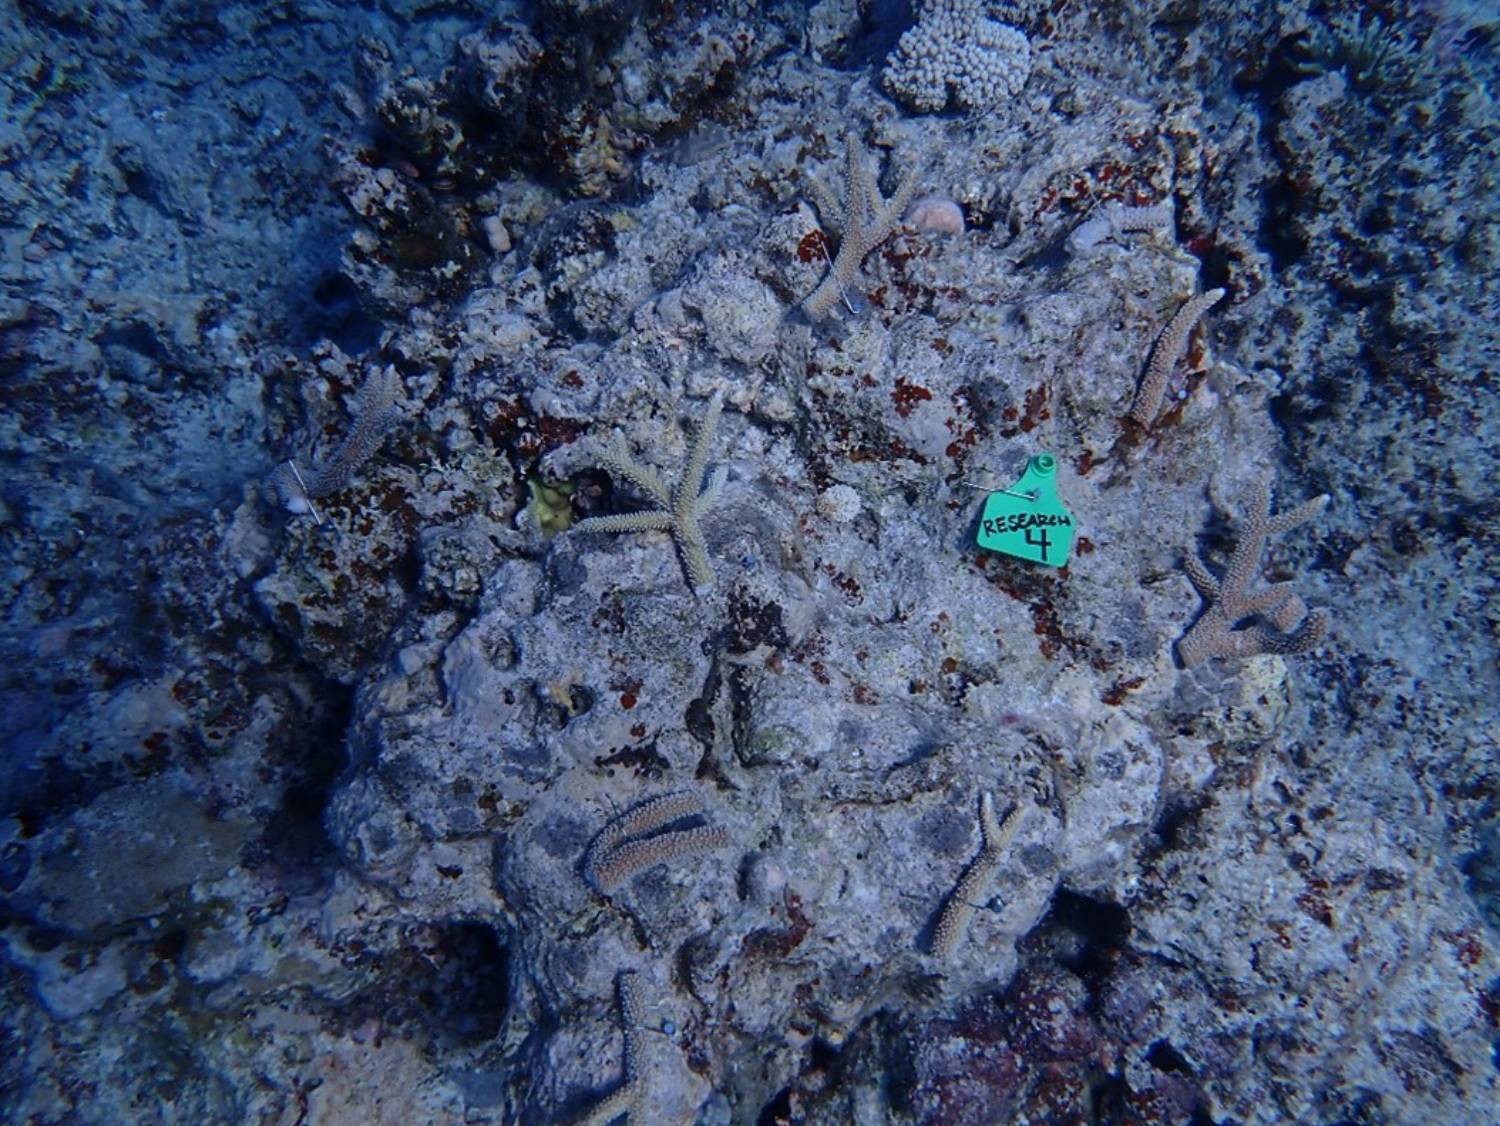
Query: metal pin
x,y
1030,495
823,246
301,484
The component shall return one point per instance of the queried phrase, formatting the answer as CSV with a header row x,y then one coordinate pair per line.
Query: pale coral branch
x,y
1114,219
623,850
866,222
679,510
650,814
633,857
376,408
1169,347
618,458
651,521
1285,626
627,1097
953,922
692,498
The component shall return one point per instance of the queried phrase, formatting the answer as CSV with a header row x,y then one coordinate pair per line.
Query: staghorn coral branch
x,y
1201,577
830,211
633,857
959,909
1169,347
618,458
1285,626
690,485
710,494
866,222
628,1096
653,814
376,408
678,510
627,522
623,850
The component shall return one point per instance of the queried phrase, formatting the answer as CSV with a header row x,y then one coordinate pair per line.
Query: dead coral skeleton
x,y
1114,219
959,909
1169,347
678,510
1284,625
862,223
624,849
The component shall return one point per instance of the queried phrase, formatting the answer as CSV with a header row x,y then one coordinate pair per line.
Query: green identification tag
x,y
1027,520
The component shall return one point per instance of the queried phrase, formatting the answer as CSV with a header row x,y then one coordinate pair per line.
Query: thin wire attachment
x,y
1029,494
301,484
823,246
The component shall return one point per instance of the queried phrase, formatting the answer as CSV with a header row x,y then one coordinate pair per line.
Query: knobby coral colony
x,y
954,51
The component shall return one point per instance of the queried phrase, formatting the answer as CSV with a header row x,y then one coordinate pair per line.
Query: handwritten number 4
x,y
1037,537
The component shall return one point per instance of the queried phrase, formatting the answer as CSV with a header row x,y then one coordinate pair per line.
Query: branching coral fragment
x,y
378,406
959,909
624,850
863,222
1115,218
627,1097
1169,347
1285,626
677,510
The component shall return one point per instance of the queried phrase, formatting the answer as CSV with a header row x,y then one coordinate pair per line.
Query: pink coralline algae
x,y
936,215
